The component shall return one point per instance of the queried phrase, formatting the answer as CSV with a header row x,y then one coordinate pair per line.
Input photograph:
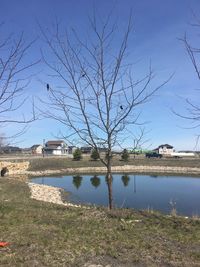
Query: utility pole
x,y
134,148
43,148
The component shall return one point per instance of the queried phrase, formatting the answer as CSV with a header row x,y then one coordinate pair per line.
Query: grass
x,y
50,163
44,234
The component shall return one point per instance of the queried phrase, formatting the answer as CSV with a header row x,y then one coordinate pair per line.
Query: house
x,y
165,149
71,149
36,149
86,149
10,150
55,147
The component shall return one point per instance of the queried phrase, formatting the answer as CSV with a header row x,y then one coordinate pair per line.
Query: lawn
x,y
43,234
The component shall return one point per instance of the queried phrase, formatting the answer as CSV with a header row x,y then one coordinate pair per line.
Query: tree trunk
x,y
109,183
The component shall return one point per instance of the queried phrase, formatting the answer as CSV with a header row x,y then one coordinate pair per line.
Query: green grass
x,y
42,234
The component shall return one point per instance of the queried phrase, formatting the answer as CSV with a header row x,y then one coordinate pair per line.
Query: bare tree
x,y
13,80
192,112
98,97
192,107
139,140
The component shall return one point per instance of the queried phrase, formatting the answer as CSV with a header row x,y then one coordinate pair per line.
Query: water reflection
x,y
134,181
77,181
138,191
125,179
107,179
95,181
154,176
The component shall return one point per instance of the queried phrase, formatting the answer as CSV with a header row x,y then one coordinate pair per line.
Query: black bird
x,y
121,107
48,87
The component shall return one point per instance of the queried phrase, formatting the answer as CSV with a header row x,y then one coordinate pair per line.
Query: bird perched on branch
x,y
121,107
48,87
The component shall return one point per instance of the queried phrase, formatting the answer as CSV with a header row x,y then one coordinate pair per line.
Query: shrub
x,y
94,154
77,155
125,155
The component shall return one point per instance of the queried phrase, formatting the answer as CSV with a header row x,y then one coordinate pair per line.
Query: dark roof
x,y
166,145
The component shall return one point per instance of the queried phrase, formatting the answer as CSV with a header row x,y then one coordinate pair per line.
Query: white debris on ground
x,y
96,265
48,194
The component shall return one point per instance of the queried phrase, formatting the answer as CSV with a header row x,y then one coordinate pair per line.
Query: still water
x,y
132,191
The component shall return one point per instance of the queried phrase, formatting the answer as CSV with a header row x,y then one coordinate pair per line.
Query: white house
x,y
36,149
165,149
55,147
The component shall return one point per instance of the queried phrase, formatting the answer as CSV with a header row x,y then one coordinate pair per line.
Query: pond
x,y
132,191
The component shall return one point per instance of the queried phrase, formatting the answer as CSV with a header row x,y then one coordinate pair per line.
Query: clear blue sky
x,y
157,27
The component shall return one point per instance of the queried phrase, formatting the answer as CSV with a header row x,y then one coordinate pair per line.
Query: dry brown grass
x,y
50,163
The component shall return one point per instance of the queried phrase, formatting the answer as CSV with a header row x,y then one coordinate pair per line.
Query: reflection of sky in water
x,y
133,191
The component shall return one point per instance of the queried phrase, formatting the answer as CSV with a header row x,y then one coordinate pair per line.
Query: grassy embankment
x,y
43,234
49,163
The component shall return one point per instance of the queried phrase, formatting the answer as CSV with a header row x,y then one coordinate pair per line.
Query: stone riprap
x,y
15,167
48,194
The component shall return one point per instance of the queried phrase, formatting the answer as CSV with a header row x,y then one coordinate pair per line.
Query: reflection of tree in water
x,y
154,176
125,179
107,180
77,180
95,181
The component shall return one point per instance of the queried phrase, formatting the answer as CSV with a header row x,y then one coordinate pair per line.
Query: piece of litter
x,y
4,244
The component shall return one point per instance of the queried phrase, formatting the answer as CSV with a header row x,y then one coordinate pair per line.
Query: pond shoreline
x,y
119,169
56,195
